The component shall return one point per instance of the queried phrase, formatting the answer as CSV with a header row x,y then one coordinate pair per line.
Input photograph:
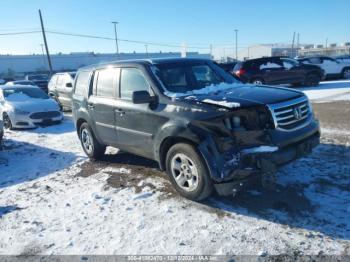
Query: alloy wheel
x,y
86,140
346,74
184,172
257,82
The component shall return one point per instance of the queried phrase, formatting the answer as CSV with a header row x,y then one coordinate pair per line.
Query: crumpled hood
x,y
246,96
34,105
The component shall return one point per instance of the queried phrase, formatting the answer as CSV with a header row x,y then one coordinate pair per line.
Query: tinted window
x,y
132,79
271,64
289,63
190,76
315,60
205,75
82,83
37,77
60,80
328,60
105,84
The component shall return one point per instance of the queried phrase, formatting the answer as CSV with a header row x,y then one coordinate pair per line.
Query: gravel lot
x,y
54,201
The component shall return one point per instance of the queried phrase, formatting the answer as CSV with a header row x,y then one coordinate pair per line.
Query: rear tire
x,y
257,81
188,172
312,80
92,148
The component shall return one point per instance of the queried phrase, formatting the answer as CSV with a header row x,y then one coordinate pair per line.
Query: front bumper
x,y
24,121
250,164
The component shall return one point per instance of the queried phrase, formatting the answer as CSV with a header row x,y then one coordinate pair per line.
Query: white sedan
x,y
27,107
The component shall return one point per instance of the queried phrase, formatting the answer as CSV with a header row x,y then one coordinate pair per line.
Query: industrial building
x,y
17,65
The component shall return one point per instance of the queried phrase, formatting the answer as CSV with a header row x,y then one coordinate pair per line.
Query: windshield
x,y
17,94
185,78
38,77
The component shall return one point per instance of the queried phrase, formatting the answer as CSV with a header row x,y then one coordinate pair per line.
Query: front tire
x,y
92,148
7,121
312,80
188,172
346,73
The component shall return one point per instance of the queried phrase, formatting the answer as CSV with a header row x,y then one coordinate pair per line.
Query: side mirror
x,y
141,97
69,85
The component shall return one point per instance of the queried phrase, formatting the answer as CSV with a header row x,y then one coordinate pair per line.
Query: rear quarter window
x,y
82,83
237,67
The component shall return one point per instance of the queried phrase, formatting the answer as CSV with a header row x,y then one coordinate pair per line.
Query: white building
x,y
266,50
331,50
11,65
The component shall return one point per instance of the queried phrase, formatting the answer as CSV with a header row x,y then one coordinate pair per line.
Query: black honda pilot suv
x,y
206,129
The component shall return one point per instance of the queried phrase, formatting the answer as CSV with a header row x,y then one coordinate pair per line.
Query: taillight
x,y
240,72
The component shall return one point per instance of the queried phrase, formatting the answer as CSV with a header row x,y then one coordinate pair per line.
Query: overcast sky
x,y
198,23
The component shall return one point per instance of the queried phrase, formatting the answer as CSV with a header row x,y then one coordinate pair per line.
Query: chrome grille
x,y
290,114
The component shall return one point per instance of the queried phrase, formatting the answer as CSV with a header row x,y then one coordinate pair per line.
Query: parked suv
x,y
278,70
205,128
60,88
333,68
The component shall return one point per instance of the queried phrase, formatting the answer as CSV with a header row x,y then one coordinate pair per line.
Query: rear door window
x,y
82,83
132,79
237,67
271,64
106,85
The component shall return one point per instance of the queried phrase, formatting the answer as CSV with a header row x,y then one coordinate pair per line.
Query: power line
x,y
21,33
123,40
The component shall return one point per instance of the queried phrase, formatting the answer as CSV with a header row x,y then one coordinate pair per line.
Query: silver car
x,y
27,107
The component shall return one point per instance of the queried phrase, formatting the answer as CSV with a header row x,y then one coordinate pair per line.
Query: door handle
x,y
91,105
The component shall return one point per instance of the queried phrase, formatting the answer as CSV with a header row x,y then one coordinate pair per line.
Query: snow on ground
x,y
328,91
54,201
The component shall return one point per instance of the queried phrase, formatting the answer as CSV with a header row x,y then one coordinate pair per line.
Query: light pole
x,y
116,37
236,33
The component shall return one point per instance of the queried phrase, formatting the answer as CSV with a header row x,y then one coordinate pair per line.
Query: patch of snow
x,y
222,103
269,65
47,209
328,91
205,91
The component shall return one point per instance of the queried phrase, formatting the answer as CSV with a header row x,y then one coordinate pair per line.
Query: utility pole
x,y
298,43
211,51
326,45
292,51
298,40
43,54
116,37
45,42
236,33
